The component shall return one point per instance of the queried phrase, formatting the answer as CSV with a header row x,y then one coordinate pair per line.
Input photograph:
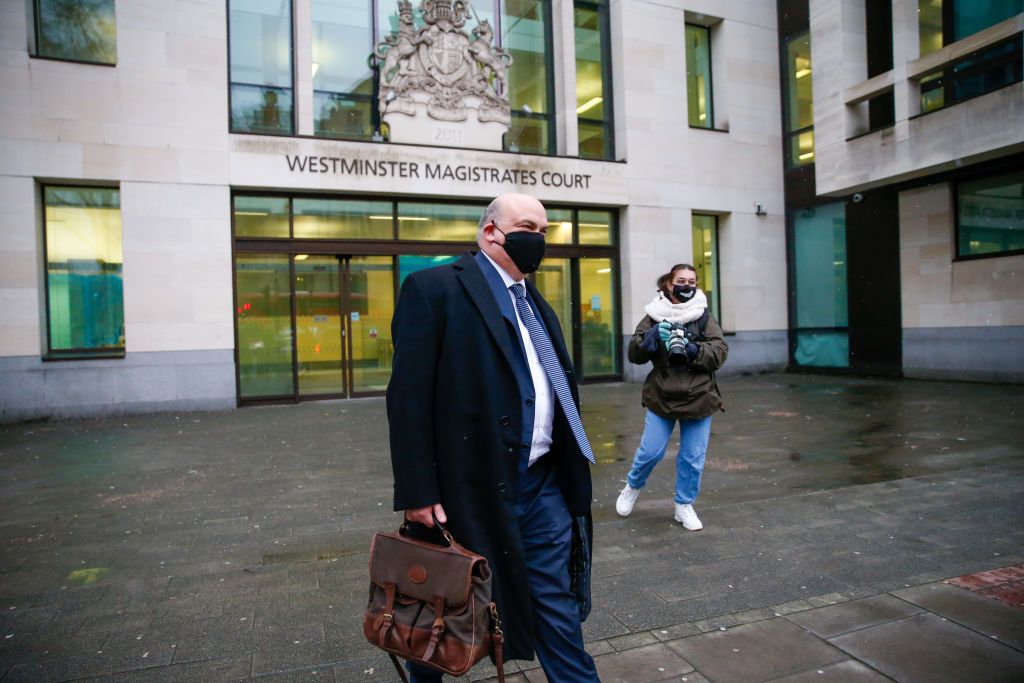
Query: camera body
x,y
679,339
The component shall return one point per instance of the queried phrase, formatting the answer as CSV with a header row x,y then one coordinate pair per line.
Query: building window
x,y
705,259
818,241
314,322
593,80
799,109
990,215
942,22
526,35
76,30
878,28
698,76
343,94
260,36
84,292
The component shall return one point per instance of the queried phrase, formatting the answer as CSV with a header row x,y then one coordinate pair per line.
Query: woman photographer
x,y
685,343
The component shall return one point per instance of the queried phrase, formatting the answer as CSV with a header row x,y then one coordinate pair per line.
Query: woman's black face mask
x,y
683,292
524,247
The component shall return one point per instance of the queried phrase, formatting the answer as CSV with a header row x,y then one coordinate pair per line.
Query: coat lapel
x,y
472,280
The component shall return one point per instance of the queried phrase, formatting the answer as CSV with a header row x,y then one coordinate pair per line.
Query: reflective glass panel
x,y
372,295
705,258
342,219
698,76
261,66
929,18
820,275
83,30
84,288
801,148
554,280
596,227
591,88
559,226
800,109
264,316
261,216
444,222
972,16
524,37
990,212
340,116
319,340
341,45
595,140
409,264
598,334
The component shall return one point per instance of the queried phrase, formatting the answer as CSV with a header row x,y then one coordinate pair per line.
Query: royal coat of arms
x,y
440,70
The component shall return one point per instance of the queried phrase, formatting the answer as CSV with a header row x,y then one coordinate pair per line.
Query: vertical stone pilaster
x,y
906,47
303,60
564,65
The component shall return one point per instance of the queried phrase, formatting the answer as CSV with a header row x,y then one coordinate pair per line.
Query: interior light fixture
x,y
587,106
803,73
301,257
250,213
806,155
379,218
604,271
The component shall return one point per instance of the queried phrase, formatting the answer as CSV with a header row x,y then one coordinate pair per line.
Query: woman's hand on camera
x,y
664,330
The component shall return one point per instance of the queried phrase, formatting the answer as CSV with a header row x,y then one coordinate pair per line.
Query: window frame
x,y
717,256
789,135
607,123
293,118
955,185
710,95
35,53
50,354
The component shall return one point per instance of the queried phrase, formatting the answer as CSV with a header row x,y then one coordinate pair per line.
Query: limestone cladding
x,y
849,159
156,126
936,290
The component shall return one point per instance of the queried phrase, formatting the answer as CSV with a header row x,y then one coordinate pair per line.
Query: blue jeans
x,y
693,444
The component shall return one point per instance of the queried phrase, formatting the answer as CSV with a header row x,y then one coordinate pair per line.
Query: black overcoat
x,y
455,414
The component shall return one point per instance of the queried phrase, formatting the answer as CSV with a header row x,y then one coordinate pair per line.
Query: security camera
x,y
858,198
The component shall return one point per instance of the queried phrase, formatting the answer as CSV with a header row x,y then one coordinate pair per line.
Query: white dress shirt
x,y
544,405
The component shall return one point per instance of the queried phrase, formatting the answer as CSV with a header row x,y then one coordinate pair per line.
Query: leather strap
x,y
436,630
398,668
387,619
497,642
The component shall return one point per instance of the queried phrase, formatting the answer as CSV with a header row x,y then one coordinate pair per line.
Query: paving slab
x,y
642,665
849,671
976,612
756,652
835,620
926,648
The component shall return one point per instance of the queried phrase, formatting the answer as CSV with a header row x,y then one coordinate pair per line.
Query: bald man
x,y
485,434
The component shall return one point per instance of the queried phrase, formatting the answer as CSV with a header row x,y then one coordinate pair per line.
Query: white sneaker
x,y
686,516
624,505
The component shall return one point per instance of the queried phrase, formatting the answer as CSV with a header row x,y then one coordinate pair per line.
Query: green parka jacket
x,y
687,391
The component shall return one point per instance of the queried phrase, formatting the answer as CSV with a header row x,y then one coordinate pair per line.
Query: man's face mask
x,y
684,292
524,247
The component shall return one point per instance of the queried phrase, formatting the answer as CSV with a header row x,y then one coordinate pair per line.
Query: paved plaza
x,y
221,546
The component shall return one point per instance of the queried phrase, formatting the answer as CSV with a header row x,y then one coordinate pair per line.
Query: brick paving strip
x,y
208,547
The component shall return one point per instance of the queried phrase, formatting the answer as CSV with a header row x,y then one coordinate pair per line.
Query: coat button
x,y
526,446
504,420
529,402
510,449
502,488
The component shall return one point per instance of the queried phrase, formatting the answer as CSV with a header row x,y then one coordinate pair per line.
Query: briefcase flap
x,y
422,570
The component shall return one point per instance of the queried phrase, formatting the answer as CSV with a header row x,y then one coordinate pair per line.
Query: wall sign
x,y
434,171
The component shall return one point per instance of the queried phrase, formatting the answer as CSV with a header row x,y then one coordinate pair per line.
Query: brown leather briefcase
x,y
431,604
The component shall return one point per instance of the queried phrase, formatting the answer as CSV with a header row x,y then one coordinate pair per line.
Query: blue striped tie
x,y
553,369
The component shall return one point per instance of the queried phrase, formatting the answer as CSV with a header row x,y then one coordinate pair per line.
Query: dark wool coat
x,y
682,391
455,413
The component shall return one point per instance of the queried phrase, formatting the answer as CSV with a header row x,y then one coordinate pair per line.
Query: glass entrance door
x,y
313,326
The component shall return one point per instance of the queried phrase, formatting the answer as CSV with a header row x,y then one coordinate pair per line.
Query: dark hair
x,y
667,277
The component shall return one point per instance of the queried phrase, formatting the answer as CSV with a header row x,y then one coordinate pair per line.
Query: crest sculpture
x,y
440,85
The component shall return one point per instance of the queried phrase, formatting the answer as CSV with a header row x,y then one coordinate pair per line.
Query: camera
x,y
679,339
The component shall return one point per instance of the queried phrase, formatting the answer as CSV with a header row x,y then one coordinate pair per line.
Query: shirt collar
x,y
505,277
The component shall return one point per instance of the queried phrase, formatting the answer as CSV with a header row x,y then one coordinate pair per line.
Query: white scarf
x,y
662,309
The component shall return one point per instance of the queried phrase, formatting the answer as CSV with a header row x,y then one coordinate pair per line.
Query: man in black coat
x,y
485,434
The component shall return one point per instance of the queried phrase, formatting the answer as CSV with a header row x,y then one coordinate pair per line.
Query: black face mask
x,y
525,248
683,292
